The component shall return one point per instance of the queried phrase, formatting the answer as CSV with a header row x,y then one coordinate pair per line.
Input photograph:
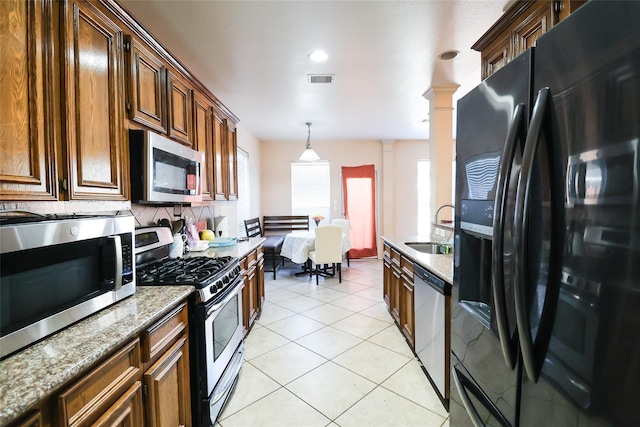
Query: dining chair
x,y
328,250
346,229
272,244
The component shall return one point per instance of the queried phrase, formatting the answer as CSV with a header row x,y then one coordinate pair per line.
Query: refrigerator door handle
x,y
533,352
463,384
499,208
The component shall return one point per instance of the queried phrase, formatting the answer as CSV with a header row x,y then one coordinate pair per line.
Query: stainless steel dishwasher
x,y
432,304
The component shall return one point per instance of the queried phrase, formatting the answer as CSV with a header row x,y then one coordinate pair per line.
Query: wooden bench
x,y
272,244
283,225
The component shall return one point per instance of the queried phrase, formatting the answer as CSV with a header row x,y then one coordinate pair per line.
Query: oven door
x,y
223,331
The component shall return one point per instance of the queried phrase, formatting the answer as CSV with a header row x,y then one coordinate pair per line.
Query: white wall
x,y
276,169
406,156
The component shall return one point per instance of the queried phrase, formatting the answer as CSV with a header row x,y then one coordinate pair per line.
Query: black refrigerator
x,y
546,296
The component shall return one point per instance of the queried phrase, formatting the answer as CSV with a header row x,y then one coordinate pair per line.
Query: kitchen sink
x,y
430,247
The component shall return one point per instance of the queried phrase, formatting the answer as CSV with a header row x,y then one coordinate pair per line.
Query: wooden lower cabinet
x,y
146,382
126,412
407,322
398,291
253,292
167,388
165,357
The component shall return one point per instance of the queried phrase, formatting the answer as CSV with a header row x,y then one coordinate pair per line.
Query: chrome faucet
x,y
440,208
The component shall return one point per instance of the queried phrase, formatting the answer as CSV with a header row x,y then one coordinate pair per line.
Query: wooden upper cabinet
x,y
518,29
94,103
219,156
146,89
496,55
27,102
203,126
180,108
232,161
539,19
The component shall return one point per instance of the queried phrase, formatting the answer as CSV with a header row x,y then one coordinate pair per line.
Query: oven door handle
x,y
228,298
229,376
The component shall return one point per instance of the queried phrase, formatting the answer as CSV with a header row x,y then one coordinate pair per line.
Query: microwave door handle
x,y
533,352
500,203
117,247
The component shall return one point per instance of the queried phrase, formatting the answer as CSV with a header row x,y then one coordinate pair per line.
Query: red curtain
x,y
358,187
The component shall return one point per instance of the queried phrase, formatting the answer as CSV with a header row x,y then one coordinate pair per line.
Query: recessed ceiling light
x,y
449,54
318,56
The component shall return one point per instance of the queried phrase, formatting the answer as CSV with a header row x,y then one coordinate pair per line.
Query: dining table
x,y
299,243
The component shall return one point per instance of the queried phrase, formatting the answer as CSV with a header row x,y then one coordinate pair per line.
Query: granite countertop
x,y
239,250
440,265
45,367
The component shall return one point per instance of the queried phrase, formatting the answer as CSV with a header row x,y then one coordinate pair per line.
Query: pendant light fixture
x,y
309,155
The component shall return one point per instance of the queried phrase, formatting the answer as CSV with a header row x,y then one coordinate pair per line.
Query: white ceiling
x,y
252,55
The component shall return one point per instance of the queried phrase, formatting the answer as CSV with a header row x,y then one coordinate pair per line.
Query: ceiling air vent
x,y
321,78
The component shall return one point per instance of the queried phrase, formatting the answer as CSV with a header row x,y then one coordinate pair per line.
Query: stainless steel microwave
x,y
162,170
57,270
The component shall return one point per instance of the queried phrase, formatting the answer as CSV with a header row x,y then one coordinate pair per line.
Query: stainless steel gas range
x,y
216,329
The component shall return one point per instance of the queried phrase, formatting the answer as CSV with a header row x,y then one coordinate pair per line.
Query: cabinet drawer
x,y
406,266
164,333
127,411
395,257
89,398
252,259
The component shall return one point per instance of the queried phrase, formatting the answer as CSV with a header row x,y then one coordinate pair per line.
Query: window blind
x,y
310,190
243,191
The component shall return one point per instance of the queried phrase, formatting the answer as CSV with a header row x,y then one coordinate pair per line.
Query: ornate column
x,y
441,149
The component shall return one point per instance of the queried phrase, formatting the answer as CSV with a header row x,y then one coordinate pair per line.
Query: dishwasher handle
x,y
431,279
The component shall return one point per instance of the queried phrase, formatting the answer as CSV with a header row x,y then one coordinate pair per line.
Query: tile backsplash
x,y
145,215
150,215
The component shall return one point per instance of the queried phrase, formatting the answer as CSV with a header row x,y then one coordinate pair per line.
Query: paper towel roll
x,y
221,226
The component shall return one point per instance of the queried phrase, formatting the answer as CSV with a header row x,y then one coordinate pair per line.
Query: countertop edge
x,y
239,250
440,265
39,371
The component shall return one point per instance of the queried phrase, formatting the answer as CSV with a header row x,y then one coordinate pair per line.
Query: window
x,y
310,189
243,191
424,197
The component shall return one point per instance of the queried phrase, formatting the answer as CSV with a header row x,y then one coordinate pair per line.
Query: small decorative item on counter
x,y
317,219
207,235
191,232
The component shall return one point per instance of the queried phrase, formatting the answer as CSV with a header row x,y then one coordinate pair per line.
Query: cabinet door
x,y
147,89
232,166
407,322
386,284
496,55
180,109
203,118
260,274
91,397
126,412
246,295
27,137
395,294
219,156
94,104
539,19
167,388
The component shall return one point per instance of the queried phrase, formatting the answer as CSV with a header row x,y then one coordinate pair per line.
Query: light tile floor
x,y
330,355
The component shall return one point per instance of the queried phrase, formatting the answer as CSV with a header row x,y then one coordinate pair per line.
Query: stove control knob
x,y
213,289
